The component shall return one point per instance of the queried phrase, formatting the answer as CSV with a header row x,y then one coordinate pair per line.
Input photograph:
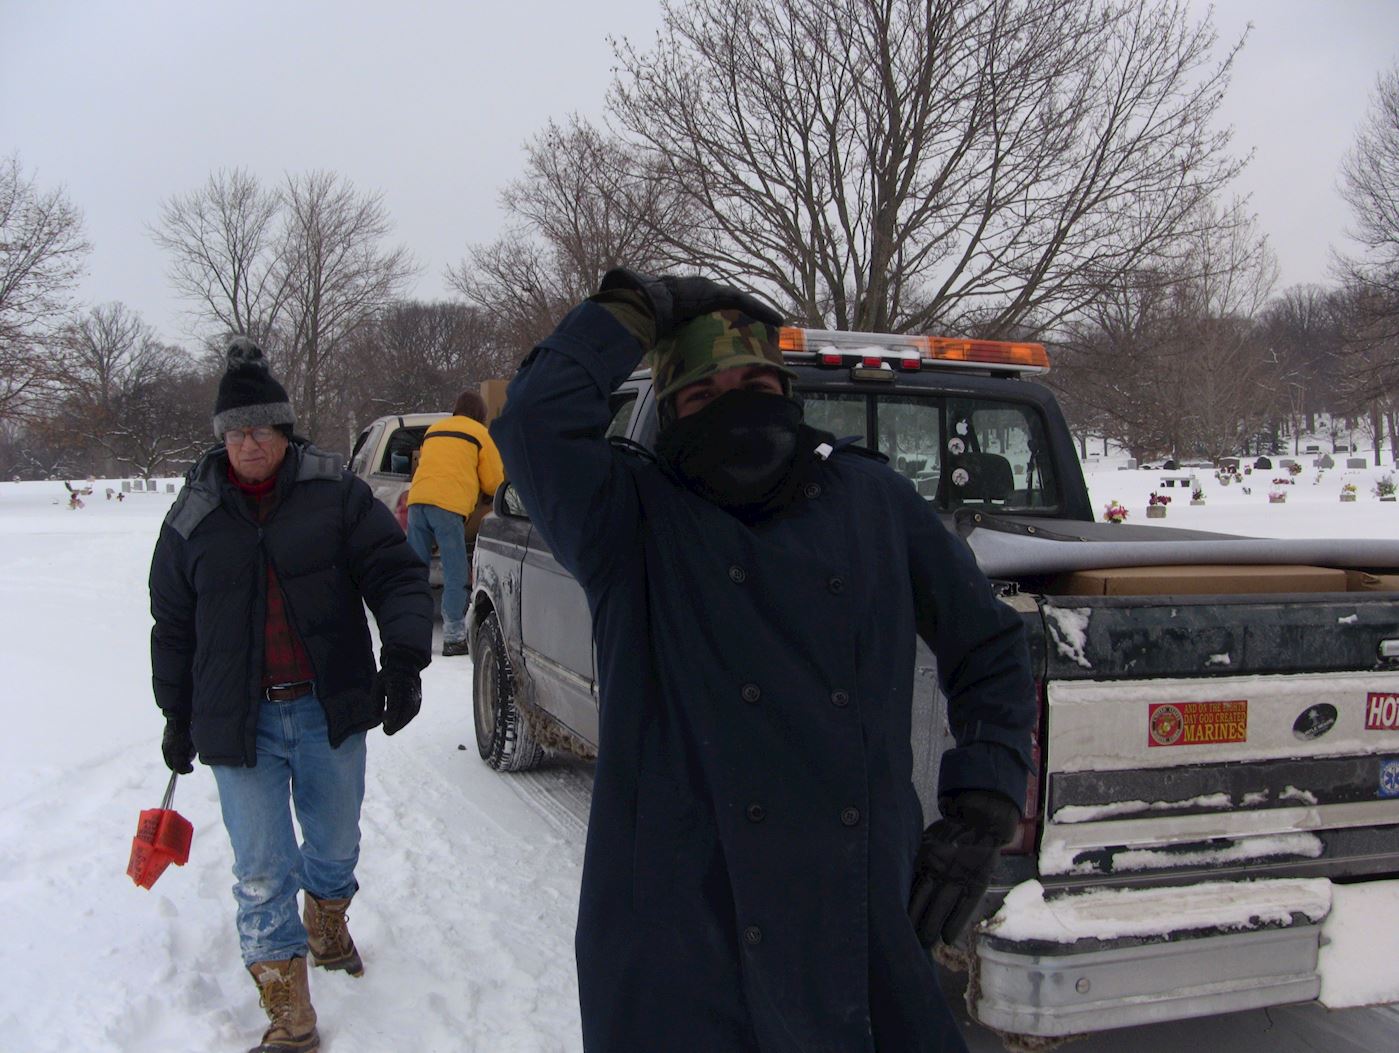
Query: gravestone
x,y
1286,462
169,488
1324,461
126,486
1355,462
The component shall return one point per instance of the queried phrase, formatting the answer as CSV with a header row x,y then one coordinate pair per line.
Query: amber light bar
x,y
835,348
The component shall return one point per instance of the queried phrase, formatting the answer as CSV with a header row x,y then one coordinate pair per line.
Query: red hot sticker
x,y
1197,723
1381,711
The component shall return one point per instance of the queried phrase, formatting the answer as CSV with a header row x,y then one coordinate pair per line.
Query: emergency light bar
x,y
908,352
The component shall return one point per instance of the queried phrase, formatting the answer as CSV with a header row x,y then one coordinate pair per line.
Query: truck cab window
x,y
995,456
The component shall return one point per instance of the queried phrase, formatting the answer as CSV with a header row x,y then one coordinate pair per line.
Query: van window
x,y
622,405
364,448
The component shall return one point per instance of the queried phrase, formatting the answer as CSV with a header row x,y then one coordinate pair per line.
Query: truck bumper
x,y
1093,990
1037,986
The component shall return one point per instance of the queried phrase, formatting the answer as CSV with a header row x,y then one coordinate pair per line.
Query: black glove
x,y
177,748
402,690
675,300
955,862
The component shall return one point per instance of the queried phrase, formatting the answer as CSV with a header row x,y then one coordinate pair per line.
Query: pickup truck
x,y
1218,744
383,458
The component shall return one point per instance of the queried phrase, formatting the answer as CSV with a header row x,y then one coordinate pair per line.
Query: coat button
x,y
736,575
751,692
836,585
756,813
840,698
812,491
850,816
752,935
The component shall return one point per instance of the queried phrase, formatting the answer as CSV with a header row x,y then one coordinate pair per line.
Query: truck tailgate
x,y
1214,734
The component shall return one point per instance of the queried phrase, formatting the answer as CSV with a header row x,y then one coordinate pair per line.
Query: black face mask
x,y
737,452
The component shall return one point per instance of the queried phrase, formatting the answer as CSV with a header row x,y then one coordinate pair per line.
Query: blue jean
x,y
327,787
426,522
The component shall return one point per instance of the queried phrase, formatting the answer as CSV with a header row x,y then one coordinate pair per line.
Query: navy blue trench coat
x,y
754,823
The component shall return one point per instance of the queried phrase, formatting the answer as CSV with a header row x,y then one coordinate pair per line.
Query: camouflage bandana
x,y
712,343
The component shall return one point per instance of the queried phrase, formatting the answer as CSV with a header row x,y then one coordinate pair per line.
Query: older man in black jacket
x,y
263,665
758,876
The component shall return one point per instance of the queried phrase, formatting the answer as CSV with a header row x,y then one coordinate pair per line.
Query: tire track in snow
x,y
561,792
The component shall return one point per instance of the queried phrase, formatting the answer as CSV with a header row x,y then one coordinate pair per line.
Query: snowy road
x,y
469,878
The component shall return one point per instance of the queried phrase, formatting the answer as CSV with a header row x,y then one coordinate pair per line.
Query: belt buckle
x,y
267,692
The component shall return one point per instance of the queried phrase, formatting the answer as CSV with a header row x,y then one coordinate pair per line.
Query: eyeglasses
x,y
262,435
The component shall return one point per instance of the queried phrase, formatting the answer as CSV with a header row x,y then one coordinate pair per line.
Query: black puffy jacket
x,y
334,547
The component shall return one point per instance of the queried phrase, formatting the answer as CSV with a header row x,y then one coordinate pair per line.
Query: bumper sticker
x,y
1389,777
1381,711
1197,723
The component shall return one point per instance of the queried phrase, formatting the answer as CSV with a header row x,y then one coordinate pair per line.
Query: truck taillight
x,y
401,511
1028,834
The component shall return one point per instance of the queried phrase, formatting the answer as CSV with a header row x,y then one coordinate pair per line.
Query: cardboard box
x,y
1362,581
1197,580
493,392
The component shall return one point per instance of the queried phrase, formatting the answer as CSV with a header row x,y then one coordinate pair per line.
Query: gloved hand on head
x,y
673,300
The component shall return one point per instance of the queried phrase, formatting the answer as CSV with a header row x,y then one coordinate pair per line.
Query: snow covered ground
x,y
469,886
469,879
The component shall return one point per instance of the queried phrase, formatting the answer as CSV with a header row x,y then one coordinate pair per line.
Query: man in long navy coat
x,y
756,845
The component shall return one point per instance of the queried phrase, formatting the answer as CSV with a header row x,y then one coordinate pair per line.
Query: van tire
x,y
502,734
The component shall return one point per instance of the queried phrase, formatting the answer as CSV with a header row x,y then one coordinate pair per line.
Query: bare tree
x,y
1172,361
905,164
337,276
224,241
122,396
1301,329
585,204
419,356
1369,358
1367,361
42,250
1370,185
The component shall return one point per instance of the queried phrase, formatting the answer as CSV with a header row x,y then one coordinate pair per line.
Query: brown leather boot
x,y
287,1000
328,933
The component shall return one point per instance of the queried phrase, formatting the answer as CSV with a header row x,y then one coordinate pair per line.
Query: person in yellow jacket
x,y
458,466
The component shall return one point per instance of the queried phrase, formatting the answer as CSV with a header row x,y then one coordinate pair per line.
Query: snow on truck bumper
x,y
1121,957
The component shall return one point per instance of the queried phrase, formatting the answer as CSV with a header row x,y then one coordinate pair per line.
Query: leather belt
x,y
287,692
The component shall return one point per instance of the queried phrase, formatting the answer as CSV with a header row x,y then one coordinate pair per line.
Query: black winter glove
x,y
402,689
955,862
177,748
675,299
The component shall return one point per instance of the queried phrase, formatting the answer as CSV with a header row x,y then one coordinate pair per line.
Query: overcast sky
x,y
124,104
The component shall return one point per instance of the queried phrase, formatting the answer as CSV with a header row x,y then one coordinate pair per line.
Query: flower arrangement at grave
x,y
1156,505
1277,497
1385,487
1282,482
1348,492
1197,494
1294,469
1114,512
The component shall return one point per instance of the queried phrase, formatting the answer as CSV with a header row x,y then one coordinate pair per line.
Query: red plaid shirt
x,y
284,659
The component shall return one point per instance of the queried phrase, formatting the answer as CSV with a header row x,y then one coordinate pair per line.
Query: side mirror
x,y
508,503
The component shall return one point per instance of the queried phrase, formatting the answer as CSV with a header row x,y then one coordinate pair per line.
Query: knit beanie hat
x,y
712,343
248,393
